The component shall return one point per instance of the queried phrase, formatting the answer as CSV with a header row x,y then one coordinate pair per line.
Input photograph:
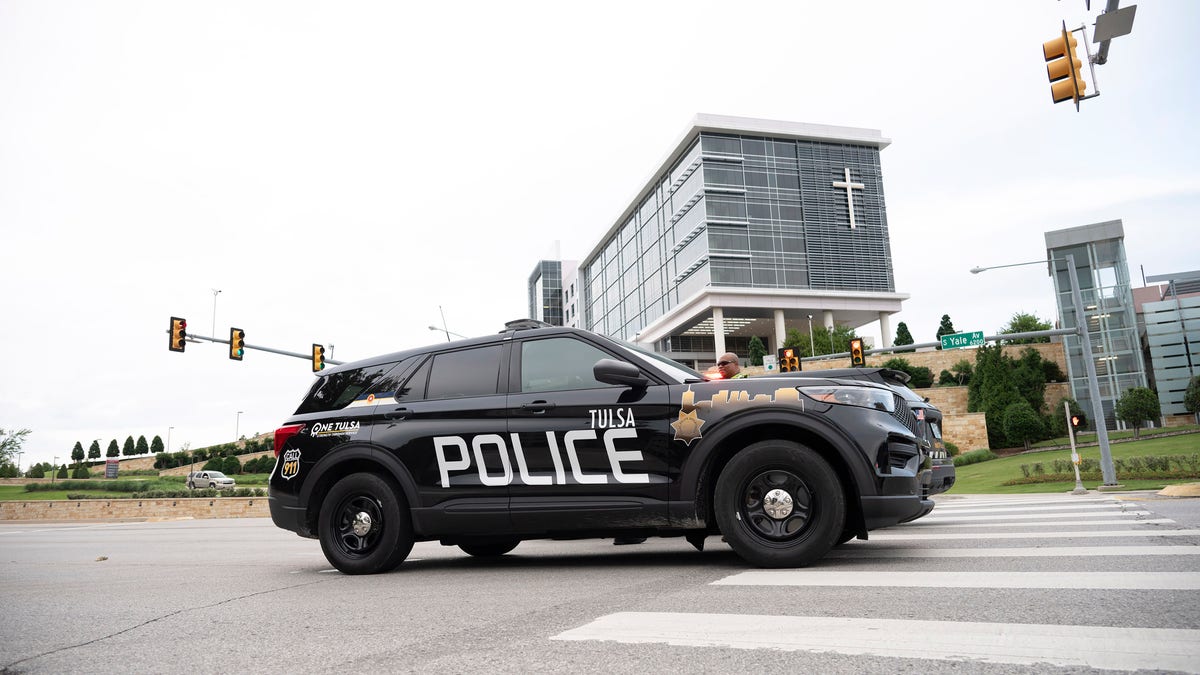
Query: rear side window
x,y
337,390
469,372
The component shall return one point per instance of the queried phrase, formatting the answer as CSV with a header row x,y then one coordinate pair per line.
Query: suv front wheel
x,y
780,504
364,525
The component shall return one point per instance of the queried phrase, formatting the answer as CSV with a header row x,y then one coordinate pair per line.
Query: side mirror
x,y
611,371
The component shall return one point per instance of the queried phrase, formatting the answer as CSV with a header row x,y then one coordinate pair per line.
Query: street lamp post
x,y
169,438
1089,363
812,349
447,332
54,469
237,426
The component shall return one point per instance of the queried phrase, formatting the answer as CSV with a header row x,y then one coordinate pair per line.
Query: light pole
x,y
1089,363
169,438
447,332
812,349
237,426
215,292
19,463
54,469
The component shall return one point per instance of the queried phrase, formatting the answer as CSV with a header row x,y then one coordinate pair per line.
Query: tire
x,y
489,549
807,518
364,525
191,486
212,486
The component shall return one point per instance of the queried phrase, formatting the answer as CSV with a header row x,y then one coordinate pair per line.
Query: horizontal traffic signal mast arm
x,y
927,345
306,357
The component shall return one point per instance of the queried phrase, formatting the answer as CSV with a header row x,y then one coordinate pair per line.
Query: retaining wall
x,y
136,509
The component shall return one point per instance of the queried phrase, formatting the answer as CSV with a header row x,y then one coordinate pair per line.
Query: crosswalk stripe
x,y
1009,643
974,503
869,551
1087,534
937,518
1142,581
1058,523
1114,506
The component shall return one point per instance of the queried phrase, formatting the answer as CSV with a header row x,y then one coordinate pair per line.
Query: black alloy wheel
x,y
364,525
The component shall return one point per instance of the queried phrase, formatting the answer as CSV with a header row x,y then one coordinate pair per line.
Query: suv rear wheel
x,y
364,525
780,504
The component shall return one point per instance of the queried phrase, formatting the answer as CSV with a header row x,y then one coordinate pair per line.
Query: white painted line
x,y
954,517
866,550
1142,581
1058,507
1058,523
1022,644
972,504
1092,534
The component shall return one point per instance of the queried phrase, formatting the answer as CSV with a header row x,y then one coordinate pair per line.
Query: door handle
x,y
538,407
397,414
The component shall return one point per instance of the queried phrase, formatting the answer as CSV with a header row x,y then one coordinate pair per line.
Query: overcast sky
x,y
345,172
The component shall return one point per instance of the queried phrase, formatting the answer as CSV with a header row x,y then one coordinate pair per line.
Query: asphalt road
x,y
993,584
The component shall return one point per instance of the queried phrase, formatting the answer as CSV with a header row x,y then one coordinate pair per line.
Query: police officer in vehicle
x,y
729,366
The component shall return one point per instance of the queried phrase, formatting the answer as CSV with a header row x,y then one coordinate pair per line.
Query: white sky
x,y
342,170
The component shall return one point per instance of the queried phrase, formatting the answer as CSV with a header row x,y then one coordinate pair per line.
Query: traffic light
x,y
856,353
789,362
318,358
237,343
1063,68
178,334
1078,421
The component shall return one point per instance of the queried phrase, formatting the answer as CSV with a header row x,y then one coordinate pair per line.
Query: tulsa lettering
x,y
454,453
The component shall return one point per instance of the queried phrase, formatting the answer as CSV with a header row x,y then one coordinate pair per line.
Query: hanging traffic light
x,y
788,361
1063,68
318,358
1078,421
237,343
856,353
178,334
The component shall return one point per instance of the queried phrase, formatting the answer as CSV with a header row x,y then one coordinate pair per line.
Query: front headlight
x,y
864,397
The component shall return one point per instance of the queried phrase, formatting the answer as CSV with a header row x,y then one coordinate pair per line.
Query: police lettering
x,y
462,454
608,418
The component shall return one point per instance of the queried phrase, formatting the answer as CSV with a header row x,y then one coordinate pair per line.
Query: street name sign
x,y
958,340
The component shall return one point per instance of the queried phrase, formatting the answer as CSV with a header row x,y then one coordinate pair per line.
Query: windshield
x,y
673,368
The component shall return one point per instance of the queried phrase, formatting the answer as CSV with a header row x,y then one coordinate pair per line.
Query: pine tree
x,y
156,446
946,327
77,452
113,450
143,449
757,351
94,450
903,337
127,449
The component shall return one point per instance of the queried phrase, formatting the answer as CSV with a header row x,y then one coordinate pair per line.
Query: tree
x,y
230,466
156,445
127,450
1137,406
62,471
962,371
946,327
1022,322
757,351
1191,399
142,448
94,450
920,376
992,390
11,441
903,337
1022,423
77,452
113,450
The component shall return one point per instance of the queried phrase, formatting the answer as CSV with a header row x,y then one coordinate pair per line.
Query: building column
x,y
719,331
780,331
885,328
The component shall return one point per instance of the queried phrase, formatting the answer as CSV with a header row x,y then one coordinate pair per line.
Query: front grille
x,y
905,416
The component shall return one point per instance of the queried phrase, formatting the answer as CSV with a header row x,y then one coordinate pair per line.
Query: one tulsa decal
x,y
461,457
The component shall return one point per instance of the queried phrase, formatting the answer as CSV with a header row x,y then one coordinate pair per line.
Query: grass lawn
x,y
1090,436
987,477
17,492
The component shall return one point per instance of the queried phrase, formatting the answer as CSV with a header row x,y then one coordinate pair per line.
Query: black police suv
x,y
558,433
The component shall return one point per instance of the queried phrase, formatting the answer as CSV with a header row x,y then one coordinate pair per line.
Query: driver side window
x,y
556,364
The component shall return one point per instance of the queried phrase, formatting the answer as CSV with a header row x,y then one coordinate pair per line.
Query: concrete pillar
x,y
719,330
885,328
780,331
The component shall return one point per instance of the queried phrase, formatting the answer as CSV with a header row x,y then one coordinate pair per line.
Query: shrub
x,y
974,457
81,471
951,448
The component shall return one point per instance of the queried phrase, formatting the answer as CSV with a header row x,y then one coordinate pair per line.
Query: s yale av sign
x,y
958,340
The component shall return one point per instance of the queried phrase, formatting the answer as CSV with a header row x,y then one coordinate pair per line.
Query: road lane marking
x,y
937,518
1057,523
1142,581
1089,534
1009,643
1124,506
865,550
971,503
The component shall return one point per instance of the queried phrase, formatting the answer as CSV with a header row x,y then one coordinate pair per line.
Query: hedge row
x,y
179,494
974,457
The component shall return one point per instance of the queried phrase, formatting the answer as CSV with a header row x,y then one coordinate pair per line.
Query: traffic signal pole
x,y
306,357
